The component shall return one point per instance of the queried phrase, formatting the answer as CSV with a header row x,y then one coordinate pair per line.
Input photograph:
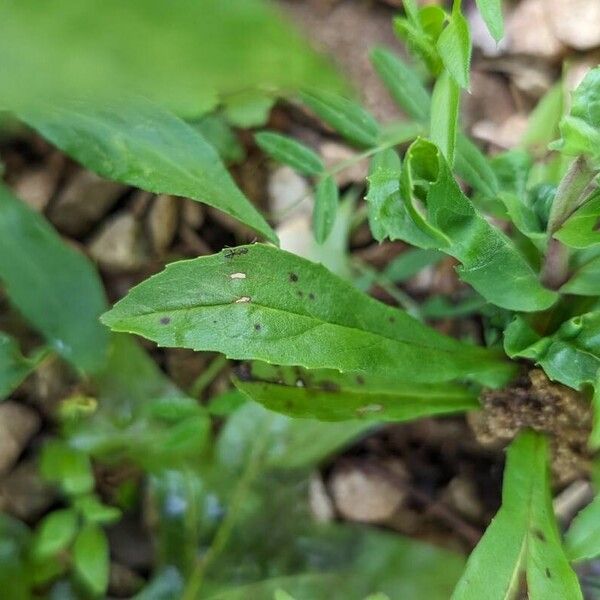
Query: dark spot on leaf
x,y
548,574
300,293
165,320
597,226
288,405
293,277
257,326
360,380
215,322
329,386
392,319
231,252
539,535
311,296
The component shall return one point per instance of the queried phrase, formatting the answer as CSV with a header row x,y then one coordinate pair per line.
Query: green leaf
x,y
454,46
523,536
474,167
582,228
544,119
385,210
68,467
14,367
580,129
218,133
403,83
257,302
15,567
491,11
444,115
571,355
585,281
348,118
55,287
582,539
248,109
91,559
54,533
139,143
490,261
326,204
93,511
332,396
409,263
290,152
192,51
290,444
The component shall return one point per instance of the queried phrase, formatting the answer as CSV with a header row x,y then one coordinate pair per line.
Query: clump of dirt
x,y
536,403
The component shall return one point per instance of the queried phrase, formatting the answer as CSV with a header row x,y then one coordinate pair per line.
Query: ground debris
x,y
535,402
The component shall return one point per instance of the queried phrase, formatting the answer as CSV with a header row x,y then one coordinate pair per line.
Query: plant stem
x,y
223,533
207,376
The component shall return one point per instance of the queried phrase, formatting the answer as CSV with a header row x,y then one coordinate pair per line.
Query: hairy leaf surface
x,y
257,302
139,143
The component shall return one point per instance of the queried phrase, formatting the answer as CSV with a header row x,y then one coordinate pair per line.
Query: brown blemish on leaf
x,y
311,296
293,277
329,386
257,326
548,574
300,293
392,319
360,380
165,320
539,535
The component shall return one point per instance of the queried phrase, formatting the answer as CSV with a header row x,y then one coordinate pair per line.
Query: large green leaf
x,y
331,396
257,302
583,536
180,54
522,537
55,287
571,355
14,367
138,143
490,261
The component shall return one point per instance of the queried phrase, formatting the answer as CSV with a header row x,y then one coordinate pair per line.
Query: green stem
x,y
225,529
207,376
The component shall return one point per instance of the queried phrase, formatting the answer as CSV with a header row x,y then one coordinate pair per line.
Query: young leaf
x,y
55,287
14,367
490,261
257,302
326,204
454,46
91,559
581,229
582,539
410,262
138,143
55,532
70,468
290,152
491,11
348,118
585,281
403,83
474,167
444,115
580,129
523,536
332,396
571,355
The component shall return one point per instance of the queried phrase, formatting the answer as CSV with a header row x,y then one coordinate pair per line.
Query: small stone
x,y
18,424
162,222
120,245
36,186
193,214
575,22
462,495
320,503
24,494
364,495
529,32
504,136
83,202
